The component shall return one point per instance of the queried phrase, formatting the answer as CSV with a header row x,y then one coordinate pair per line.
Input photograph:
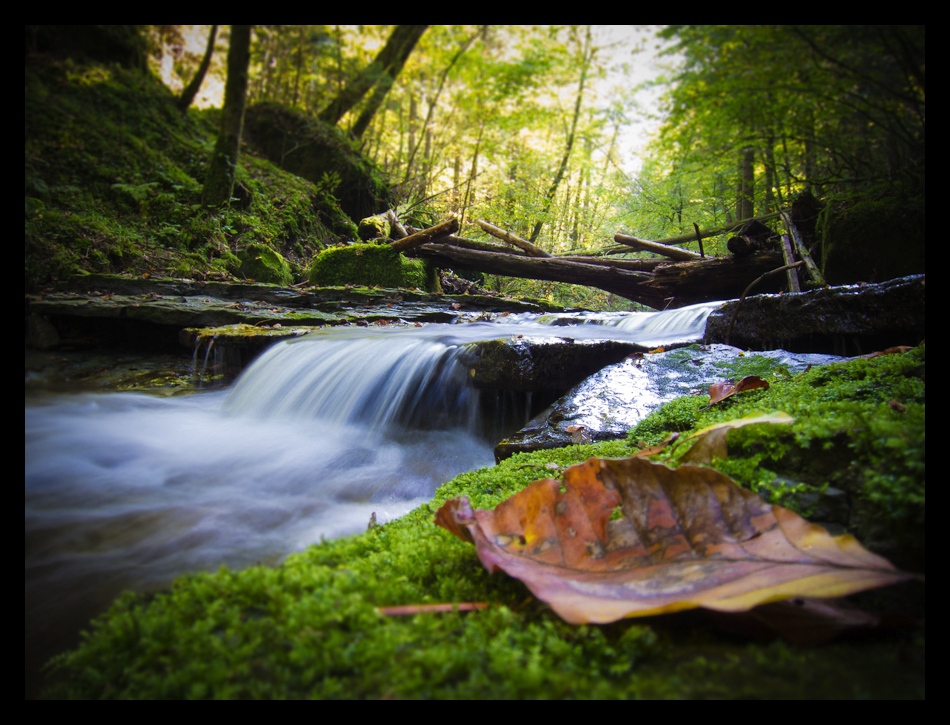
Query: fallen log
x,y
442,229
683,255
642,264
727,229
457,241
671,284
398,230
514,240
799,243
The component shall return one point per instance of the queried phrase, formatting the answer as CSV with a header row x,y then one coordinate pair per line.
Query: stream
x,y
129,490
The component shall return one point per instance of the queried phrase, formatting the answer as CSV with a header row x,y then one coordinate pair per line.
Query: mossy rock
x,y
263,264
369,265
374,227
320,153
872,239
853,458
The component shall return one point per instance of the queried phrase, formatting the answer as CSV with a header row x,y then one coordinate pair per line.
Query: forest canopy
x,y
528,127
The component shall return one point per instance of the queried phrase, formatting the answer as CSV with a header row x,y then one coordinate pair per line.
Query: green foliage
x,y
367,265
112,183
833,109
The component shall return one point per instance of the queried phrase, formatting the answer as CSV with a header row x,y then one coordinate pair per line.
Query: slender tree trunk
x,y
435,98
298,63
471,177
744,205
187,96
382,71
219,182
586,58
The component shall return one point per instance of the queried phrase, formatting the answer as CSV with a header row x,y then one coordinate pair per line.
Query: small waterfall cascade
x,y
668,327
201,372
410,377
381,379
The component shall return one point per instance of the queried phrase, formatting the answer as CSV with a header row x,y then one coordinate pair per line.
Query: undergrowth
x,y
113,176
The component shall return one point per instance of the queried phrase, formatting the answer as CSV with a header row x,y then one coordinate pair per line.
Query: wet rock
x,y
848,320
609,403
535,364
107,309
41,333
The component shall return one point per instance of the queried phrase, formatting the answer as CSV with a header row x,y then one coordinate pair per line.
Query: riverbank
x,y
309,627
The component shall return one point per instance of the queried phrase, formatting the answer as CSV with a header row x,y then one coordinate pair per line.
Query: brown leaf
x,y
659,448
720,391
897,350
689,537
710,442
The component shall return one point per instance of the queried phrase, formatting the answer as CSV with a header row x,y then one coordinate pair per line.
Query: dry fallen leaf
x,y
896,350
720,391
689,537
710,442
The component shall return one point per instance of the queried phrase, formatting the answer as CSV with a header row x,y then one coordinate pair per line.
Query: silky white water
x,y
127,490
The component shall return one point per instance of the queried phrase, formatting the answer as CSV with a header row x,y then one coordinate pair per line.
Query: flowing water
x,y
128,490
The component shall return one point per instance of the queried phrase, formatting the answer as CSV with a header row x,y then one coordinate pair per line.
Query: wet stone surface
x,y
609,403
847,320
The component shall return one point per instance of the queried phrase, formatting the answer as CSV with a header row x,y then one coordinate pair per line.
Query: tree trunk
x,y
744,207
656,248
219,182
512,239
586,58
382,71
188,95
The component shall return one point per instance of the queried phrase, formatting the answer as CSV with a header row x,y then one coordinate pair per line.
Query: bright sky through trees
x,y
631,52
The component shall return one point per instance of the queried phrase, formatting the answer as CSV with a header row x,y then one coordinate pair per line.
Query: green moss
x,y
113,177
848,436
374,227
309,628
367,264
263,264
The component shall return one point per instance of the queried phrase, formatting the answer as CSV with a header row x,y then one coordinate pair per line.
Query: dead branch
x,y
529,248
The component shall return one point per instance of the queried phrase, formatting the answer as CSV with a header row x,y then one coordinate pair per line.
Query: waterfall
x,y
671,327
410,377
378,378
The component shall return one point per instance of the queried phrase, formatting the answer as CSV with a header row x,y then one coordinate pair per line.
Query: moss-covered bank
x,y
113,176
309,628
368,265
